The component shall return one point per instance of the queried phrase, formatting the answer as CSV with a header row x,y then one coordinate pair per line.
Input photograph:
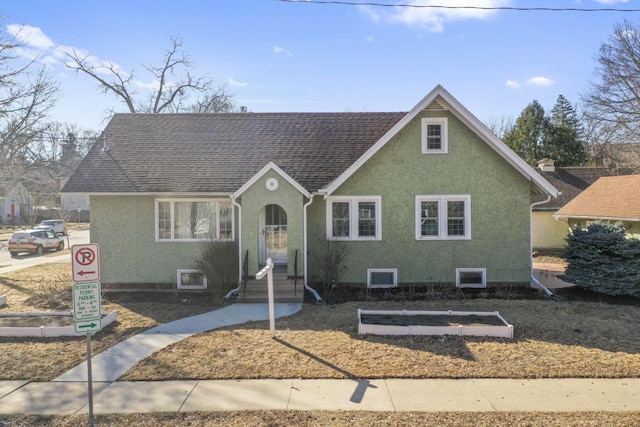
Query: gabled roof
x,y
271,166
570,181
218,153
444,99
609,198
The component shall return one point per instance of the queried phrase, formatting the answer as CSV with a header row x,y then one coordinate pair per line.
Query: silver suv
x,y
35,242
57,225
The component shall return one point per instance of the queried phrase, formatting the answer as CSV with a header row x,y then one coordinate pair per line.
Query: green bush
x,y
602,259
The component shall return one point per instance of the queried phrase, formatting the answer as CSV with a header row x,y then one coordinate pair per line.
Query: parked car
x,y
57,225
35,242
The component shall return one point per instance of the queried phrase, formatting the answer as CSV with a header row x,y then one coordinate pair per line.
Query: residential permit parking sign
x,y
87,306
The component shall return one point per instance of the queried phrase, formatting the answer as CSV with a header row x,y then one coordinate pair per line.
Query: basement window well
x,y
471,277
191,279
382,278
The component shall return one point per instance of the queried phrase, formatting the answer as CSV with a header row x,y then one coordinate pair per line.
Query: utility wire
x,y
431,6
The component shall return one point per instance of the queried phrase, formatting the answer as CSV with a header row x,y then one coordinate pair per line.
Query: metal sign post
x,y
87,302
268,270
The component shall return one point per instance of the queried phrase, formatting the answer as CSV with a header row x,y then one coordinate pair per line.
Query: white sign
x,y
87,301
85,262
83,326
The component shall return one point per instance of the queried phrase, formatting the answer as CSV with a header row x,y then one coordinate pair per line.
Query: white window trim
x,y
442,216
179,280
382,270
443,122
353,216
483,284
172,213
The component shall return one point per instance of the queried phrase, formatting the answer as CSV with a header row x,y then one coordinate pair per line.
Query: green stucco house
x,y
425,196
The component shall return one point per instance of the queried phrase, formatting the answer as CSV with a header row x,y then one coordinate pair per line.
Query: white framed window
x,y
354,218
435,135
382,277
471,277
191,279
190,220
443,217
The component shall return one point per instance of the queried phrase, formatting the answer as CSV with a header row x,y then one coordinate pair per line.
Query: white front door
x,y
273,234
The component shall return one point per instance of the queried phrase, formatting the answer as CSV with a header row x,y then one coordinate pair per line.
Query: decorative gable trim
x,y
270,166
444,99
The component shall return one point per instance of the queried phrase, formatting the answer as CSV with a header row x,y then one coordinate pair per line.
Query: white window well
x,y
435,135
191,279
354,218
471,277
382,277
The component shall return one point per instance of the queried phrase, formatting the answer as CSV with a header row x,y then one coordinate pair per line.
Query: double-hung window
x,y
194,220
443,217
354,218
434,135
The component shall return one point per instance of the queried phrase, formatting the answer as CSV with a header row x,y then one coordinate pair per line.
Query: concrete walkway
x,y
112,363
395,395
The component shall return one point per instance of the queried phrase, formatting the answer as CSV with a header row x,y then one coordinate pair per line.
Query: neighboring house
x,y
428,196
613,198
76,203
549,232
14,202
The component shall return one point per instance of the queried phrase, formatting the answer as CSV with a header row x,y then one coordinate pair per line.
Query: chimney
x,y
243,109
546,165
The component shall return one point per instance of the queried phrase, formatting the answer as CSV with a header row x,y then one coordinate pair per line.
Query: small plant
x,y
602,259
331,261
219,263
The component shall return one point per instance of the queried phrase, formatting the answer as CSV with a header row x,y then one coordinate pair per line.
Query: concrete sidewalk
x,y
395,395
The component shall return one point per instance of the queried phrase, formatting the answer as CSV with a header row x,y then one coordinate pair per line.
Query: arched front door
x,y
273,234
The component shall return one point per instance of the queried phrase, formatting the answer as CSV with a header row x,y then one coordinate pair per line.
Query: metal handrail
x,y
295,274
245,273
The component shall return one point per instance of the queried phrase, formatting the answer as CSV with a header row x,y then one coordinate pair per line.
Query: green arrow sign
x,y
88,326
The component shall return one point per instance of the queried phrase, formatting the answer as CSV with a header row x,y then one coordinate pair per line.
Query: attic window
x,y
471,277
191,279
434,135
382,277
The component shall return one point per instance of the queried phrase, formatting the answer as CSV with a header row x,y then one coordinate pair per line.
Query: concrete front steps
x,y
284,290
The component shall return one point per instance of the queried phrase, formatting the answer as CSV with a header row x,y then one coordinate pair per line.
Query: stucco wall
x,y
548,233
124,226
253,200
398,172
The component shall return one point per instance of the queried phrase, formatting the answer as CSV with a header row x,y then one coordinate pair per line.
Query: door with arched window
x,y
273,234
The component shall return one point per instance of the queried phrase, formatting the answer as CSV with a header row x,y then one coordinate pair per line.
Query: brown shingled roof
x,y
571,181
218,153
613,197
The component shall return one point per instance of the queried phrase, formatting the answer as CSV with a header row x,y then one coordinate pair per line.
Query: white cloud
x,y
278,50
610,2
512,84
234,82
30,36
540,82
434,19
369,39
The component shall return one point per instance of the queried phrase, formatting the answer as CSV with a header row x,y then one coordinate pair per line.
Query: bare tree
x,y
615,98
169,95
500,126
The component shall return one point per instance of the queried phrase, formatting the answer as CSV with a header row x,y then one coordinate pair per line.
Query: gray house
x,y
425,196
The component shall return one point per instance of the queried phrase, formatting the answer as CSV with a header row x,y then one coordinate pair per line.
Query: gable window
x,y
434,135
355,218
194,219
443,217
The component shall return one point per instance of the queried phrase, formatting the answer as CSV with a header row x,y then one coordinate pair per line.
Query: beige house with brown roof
x,y
613,198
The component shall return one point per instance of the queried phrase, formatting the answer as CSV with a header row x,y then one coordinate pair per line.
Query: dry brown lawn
x,y
48,288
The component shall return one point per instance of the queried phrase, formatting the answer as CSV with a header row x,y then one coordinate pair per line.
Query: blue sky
x,y
277,56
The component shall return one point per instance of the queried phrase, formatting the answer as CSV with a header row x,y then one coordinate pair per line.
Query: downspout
x,y
236,290
536,281
304,248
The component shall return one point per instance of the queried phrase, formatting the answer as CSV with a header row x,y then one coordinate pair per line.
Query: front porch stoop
x,y
284,290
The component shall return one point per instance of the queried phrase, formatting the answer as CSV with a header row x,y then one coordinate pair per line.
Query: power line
x,y
431,6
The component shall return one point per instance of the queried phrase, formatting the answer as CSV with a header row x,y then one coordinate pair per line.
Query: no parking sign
x,y
85,262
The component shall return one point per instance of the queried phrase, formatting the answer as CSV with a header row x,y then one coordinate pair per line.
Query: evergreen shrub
x,y
602,259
